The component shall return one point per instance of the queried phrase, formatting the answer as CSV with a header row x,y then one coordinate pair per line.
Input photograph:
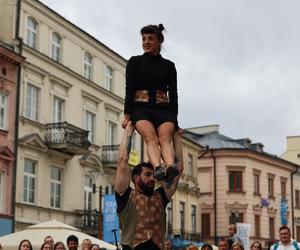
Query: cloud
x,y
237,60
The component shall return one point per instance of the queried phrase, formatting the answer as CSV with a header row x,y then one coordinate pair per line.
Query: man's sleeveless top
x,y
143,218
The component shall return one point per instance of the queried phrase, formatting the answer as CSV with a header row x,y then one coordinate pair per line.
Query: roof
x,y
215,140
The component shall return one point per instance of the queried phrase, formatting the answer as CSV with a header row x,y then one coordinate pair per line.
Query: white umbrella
x,y
59,231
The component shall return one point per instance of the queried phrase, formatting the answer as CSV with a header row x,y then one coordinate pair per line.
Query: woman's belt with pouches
x,y
143,96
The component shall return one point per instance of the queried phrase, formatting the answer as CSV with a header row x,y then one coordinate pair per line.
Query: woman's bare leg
x,y
147,131
165,136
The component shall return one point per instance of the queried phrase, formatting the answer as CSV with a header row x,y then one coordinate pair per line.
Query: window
x,y
3,111
298,233
190,165
193,218
90,125
112,133
181,212
257,226
256,183
88,190
56,47
236,217
55,187
271,186
31,32
169,218
87,66
2,192
32,102
297,198
271,228
235,181
205,225
108,78
29,181
283,189
58,108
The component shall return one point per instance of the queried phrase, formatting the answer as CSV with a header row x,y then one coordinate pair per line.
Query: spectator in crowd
x,y
59,246
192,247
206,246
25,245
256,246
223,244
238,245
47,246
94,247
86,244
49,239
72,242
1,247
286,242
233,237
167,245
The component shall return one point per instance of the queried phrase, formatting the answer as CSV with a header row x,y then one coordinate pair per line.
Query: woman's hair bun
x,y
161,27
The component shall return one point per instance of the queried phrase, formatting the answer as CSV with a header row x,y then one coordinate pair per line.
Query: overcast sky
x,y
238,61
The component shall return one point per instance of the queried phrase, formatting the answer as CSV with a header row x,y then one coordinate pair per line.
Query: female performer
x,y
151,101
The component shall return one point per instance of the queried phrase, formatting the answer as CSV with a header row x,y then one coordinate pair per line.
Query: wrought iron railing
x,y
65,133
87,219
110,153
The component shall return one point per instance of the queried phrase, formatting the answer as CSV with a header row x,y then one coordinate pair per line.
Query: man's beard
x,y
146,189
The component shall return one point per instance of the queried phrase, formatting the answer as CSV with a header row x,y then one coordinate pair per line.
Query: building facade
x,y
183,211
71,106
239,182
292,154
9,65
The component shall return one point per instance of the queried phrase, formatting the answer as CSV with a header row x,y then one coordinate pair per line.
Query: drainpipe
x,y
215,193
16,139
292,199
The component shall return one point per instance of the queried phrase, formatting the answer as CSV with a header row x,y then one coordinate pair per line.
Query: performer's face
x,y
151,43
285,235
145,180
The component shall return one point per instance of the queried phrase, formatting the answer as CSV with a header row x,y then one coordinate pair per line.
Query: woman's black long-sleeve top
x,y
152,73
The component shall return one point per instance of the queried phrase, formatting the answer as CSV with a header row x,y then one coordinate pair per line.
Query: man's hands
x,y
125,120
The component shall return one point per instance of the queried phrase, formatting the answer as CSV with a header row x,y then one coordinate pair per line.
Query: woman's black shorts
x,y
156,114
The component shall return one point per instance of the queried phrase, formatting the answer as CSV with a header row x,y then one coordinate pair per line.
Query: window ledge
x,y
236,192
3,131
271,197
24,120
257,194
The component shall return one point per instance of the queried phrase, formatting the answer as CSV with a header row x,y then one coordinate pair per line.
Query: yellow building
x,y
70,84
292,154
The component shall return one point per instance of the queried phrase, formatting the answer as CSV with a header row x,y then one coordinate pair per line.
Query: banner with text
x,y
110,219
243,231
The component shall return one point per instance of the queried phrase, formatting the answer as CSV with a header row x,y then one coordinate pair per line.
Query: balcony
x,y
110,154
87,221
67,138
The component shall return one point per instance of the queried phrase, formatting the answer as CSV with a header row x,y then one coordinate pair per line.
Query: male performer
x,y
141,210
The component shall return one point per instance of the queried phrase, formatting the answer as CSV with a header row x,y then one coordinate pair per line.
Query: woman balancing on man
x,y
151,102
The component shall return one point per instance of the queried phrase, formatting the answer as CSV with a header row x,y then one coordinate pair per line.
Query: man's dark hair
x,y
72,238
284,227
137,170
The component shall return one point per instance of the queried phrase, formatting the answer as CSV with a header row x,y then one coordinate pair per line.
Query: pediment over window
x,y
92,162
33,141
235,205
6,153
207,206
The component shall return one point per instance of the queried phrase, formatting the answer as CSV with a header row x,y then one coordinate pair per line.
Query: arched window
x,y
32,27
56,47
87,66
